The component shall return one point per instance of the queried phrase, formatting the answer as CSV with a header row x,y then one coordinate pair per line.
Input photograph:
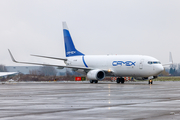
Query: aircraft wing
x,y
60,66
7,73
108,73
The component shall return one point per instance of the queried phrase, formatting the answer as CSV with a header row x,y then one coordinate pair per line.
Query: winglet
x,y
12,56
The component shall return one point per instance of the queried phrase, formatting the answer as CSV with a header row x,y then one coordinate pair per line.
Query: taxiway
x,y
82,100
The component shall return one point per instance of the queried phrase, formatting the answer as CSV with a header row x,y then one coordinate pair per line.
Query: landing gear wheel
x,y
122,80
150,82
95,81
91,81
118,80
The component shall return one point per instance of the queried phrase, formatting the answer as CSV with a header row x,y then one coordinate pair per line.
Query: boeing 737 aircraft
x,y
97,67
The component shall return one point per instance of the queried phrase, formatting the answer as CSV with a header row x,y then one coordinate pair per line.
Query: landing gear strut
x,y
150,81
120,80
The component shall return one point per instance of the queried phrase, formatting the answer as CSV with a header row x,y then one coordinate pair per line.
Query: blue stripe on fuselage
x,y
84,61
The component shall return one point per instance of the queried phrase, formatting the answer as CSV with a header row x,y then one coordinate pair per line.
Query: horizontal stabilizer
x,y
50,57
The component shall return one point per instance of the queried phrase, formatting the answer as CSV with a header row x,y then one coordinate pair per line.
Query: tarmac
x,y
85,101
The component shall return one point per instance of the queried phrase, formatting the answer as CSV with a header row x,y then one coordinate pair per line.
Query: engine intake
x,y
96,75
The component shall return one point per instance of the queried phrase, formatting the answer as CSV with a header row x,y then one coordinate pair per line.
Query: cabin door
x,y
141,64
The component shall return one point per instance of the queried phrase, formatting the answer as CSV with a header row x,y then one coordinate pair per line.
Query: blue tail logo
x,y
69,45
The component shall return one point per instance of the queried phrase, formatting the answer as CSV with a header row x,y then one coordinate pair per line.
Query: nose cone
x,y
159,69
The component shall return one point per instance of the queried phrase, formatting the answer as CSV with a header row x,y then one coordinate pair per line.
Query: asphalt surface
x,y
82,100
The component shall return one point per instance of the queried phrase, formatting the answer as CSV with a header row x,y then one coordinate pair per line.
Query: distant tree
x,y
48,71
164,73
173,69
178,69
69,75
75,73
3,68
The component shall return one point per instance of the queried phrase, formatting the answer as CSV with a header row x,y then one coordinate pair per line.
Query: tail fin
x,y
69,45
170,58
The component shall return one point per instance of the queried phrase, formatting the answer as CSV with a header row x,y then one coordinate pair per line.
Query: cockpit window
x,y
154,62
150,62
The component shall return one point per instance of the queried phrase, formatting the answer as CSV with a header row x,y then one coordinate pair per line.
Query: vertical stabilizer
x,y
170,58
69,45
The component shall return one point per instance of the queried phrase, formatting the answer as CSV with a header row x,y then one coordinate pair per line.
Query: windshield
x,y
154,62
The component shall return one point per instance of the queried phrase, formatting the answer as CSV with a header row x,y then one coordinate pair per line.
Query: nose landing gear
x,y
150,81
120,80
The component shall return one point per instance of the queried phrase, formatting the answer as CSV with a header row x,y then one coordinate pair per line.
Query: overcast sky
x,y
98,27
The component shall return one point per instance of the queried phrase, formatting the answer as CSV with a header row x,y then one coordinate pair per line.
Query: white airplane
x,y
6,73
97,67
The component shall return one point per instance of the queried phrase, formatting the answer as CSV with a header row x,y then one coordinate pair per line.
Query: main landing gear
x,y
150,81
120,80
95,81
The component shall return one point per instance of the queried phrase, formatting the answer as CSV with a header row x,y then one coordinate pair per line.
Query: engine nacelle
x,y
96,74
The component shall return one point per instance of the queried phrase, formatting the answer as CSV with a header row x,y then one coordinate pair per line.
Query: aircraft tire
x,y
151,82
122,80
118,80
95,81
91,81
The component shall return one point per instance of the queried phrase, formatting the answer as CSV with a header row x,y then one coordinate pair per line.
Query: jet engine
x,y
96,74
